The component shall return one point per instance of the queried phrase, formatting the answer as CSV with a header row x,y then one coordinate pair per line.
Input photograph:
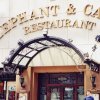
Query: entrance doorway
x,y
61,93
61,86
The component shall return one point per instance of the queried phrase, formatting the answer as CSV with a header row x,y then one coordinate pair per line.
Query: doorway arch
x,y
22,56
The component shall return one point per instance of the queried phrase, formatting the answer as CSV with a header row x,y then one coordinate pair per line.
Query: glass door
x,y
68,93
55,93
61,93
63,86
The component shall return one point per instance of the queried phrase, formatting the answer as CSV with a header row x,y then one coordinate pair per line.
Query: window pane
x,y
80,91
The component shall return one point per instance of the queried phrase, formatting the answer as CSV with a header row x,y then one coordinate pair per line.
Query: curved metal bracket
x,y
27,51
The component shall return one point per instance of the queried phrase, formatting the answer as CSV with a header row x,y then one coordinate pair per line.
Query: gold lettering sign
x,y
59,24
22,17
38,15
71,9
97,13
89,11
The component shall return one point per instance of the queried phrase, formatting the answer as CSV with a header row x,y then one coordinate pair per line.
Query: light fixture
x,y
86,55
93,78
70,40
97,38
12,52
94,48
20,42
22,81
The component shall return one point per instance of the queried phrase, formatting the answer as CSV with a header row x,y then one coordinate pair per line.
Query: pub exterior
x,y
49,50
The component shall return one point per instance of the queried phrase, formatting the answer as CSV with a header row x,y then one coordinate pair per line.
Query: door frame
x,y
51,69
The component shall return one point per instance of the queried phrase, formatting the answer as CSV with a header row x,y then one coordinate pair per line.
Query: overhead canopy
x,y
21,57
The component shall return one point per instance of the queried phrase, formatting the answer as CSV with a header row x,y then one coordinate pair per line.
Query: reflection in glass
x,y
68,93
63,86
63,78
55,94
80,91
42,93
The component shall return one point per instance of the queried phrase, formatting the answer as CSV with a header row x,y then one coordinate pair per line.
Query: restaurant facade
x,y
49,50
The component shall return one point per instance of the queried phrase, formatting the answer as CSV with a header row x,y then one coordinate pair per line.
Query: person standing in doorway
x,y
89,96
